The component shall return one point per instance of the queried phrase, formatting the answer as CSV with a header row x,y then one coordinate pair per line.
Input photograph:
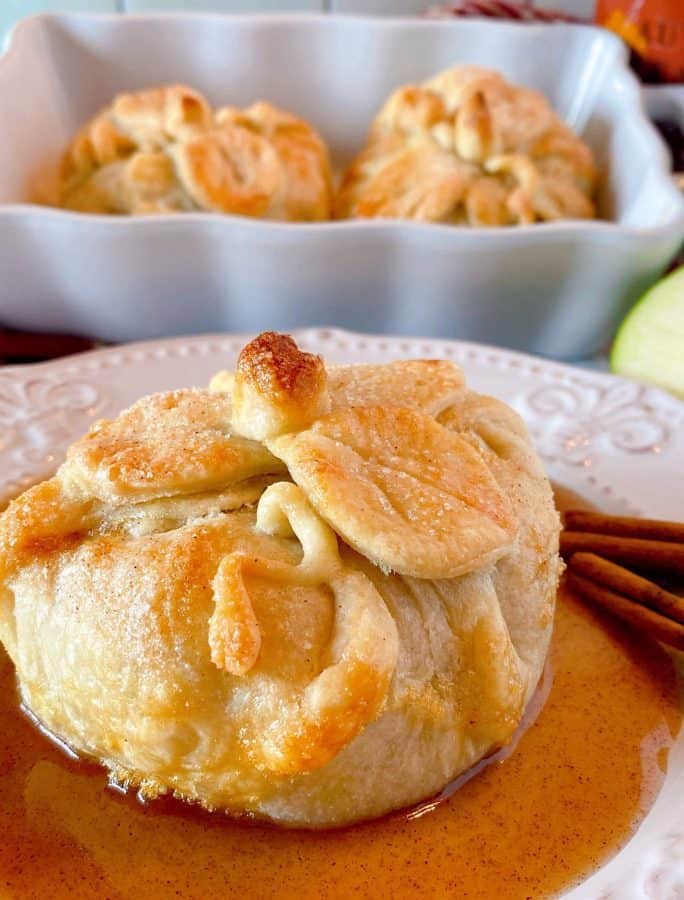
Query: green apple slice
x,y
650,342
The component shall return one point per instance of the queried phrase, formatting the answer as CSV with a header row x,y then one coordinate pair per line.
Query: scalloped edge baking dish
x,y
557,289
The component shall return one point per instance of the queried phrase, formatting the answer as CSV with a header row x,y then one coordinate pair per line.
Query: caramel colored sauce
x,y
569,796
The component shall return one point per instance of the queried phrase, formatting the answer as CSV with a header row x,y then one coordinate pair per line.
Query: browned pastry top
x,y
467,147
164,150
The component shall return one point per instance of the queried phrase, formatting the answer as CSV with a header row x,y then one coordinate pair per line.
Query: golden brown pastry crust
x,y
468,147
164,150
167,444
277,388
179,609
306,190
397,487
426,385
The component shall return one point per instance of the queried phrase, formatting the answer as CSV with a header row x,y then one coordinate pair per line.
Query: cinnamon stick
x,y
648,622
622,581
624,526
661,556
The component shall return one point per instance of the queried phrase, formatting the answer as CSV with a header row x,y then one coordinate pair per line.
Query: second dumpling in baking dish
x,y
469,148
466,147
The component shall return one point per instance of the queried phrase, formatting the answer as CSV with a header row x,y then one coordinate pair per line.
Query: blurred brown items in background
x,y
21,347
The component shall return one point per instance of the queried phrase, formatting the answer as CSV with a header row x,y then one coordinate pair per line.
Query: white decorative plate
x,y
618,443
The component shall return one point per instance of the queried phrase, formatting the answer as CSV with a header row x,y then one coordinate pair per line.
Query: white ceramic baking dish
x,y
557,289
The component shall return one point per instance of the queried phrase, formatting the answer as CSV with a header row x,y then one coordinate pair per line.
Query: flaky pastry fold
x,y
468,147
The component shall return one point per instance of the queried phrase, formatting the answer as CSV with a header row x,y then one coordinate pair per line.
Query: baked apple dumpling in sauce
x,y
310,594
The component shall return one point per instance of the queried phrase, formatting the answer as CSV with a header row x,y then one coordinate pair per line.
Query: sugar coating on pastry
x,y
397,487
165,150
164,445
426,385
316,626
468,147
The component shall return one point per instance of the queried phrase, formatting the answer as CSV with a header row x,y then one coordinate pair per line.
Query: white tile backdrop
x,y
12,10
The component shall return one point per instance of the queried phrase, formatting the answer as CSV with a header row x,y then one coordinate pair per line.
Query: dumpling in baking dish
x,y
165,150
308,594
467,147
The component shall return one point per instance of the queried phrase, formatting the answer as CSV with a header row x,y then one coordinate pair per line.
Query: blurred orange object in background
x,y
653,29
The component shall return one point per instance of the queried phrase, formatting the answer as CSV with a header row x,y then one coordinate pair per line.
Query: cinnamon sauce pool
x,y
571,793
